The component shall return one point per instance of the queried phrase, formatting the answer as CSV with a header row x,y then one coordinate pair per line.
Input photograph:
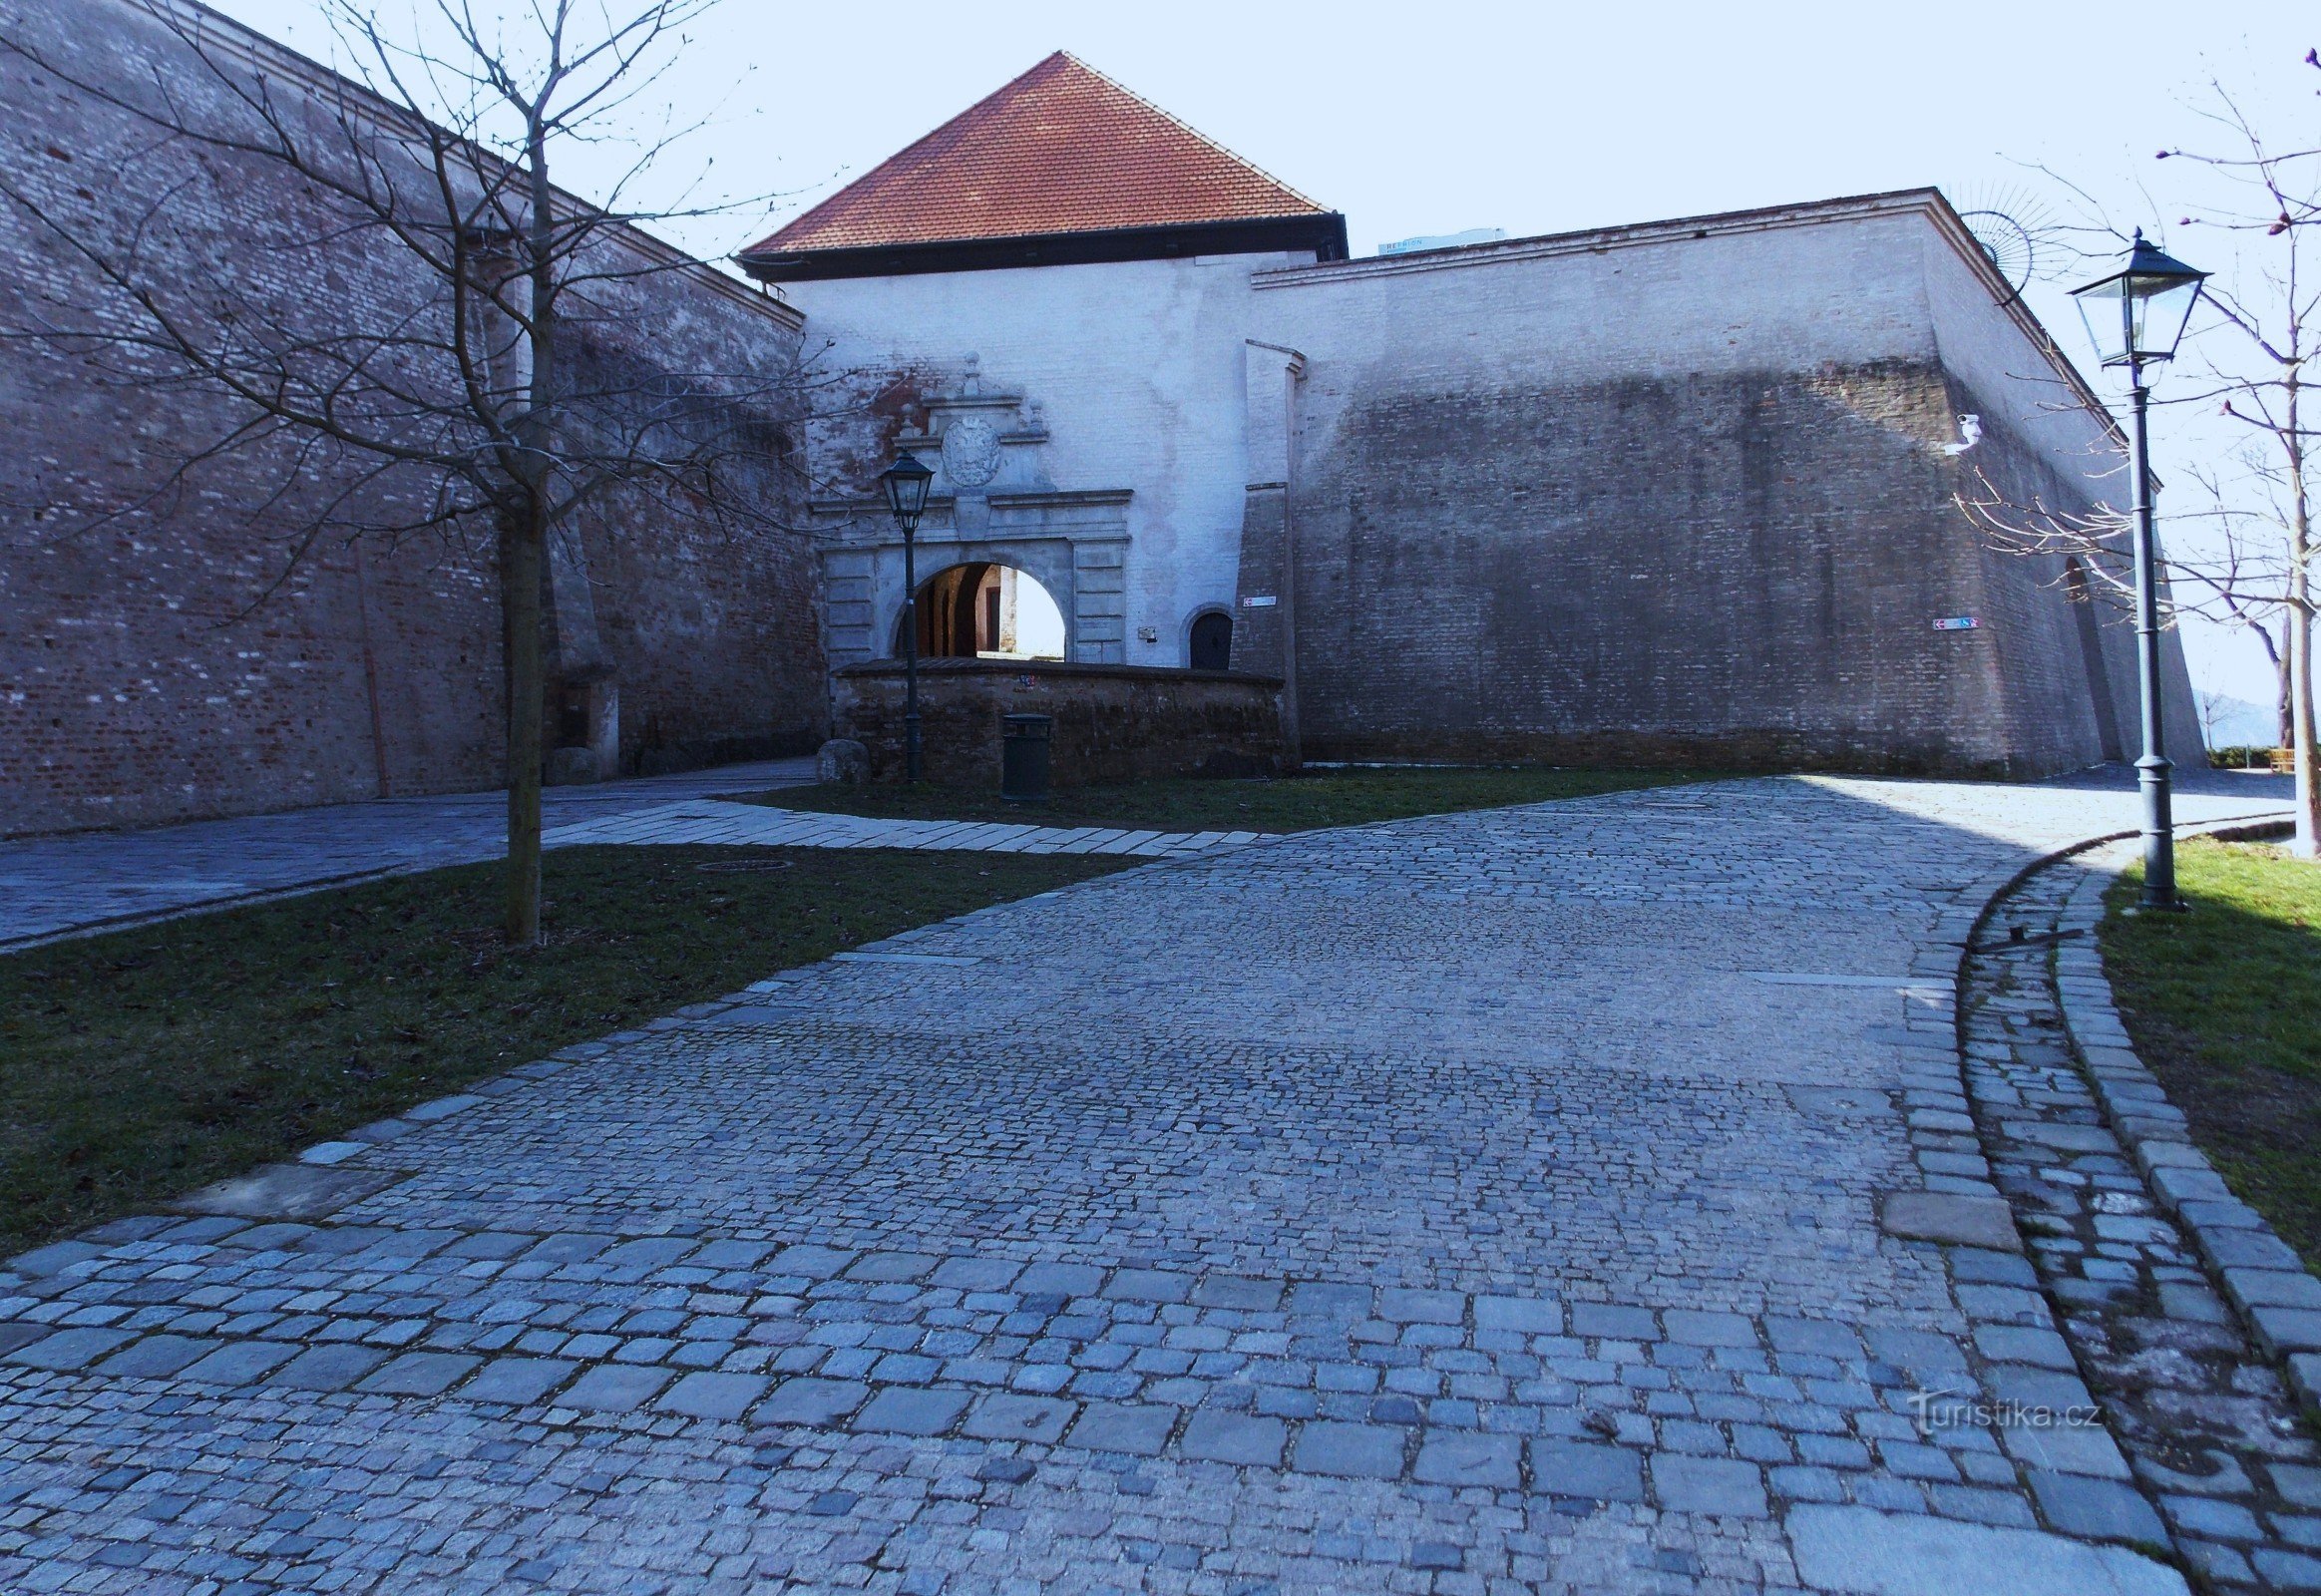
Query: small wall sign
x,y
1258,600
1956,623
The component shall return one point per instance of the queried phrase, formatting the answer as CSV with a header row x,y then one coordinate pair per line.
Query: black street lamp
x,y
2135,317
906,482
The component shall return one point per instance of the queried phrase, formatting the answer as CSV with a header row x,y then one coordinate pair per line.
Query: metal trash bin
x,y
1024,746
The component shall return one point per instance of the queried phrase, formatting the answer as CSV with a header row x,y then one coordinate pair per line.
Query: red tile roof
x,y
1062,150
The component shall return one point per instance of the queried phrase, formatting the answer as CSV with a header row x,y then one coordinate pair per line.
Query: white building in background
x,y
1678,491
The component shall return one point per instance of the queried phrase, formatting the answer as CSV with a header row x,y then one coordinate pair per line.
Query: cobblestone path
x,y
2208,1437
1577,1198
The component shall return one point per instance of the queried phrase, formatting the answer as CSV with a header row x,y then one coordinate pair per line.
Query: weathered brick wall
x,y
1681,497
1112,723
1737,569
173,650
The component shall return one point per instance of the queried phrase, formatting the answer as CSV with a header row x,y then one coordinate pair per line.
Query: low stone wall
x,y
1112,723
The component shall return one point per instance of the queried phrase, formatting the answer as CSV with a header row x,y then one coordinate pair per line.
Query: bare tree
x,y
2249,559
463,387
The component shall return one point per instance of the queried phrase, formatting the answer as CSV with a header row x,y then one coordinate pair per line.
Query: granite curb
x,y
2278,1299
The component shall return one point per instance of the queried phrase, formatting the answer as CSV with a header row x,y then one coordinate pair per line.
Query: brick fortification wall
x,y
1112,723
194,653
1688,502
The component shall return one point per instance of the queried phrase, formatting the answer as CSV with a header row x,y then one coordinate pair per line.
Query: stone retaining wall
x,y
1112,723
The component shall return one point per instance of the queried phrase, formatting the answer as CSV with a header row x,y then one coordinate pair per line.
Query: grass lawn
x,y
2224,1004
1288,803
139,1064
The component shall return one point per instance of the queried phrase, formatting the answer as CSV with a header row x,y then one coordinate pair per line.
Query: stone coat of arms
x,y
970,451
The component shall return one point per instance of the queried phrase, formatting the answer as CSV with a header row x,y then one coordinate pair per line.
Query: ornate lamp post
x,y
906,482
2134,318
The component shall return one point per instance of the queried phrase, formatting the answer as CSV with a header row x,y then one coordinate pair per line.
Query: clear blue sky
x,y
1435,117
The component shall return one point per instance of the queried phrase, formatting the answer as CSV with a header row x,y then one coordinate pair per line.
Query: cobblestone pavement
x,y
758,825
59,886
2209,1437
1576,1198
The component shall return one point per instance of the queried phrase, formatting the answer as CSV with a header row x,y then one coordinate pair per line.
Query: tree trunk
x,y
2284,702
2298,615
2308,801
527,563
522,547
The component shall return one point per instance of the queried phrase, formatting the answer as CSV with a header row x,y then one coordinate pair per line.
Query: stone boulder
x,y
842,759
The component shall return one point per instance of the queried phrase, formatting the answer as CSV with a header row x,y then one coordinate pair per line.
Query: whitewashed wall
x,y
1138,366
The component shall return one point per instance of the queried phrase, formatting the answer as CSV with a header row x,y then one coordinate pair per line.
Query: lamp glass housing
x,y
907,482
2139,313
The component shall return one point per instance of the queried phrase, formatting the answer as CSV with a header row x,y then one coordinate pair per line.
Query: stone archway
x,y
986,609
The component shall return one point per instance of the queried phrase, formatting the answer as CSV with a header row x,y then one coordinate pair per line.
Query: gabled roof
x,y
1062,158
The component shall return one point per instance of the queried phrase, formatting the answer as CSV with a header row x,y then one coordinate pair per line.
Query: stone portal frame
x,y
1075,544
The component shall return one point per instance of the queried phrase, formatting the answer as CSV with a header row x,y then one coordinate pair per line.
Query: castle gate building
x,y
1681,491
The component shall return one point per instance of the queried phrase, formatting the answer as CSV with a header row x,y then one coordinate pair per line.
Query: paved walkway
x,y
55,886
69,886
1561,1198
757,825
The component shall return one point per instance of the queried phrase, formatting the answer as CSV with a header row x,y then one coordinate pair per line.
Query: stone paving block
x,y
69,1348
1058,1280
708,1395
1121,1428
1821,1337
55,1258
813,1401
518,1380
1451,1458
977,1274
1698,1328
2247,1249
912,1410
1947,1217
420,1373
816,1263
614,1388
333,1368
1149,1286
2211,1518
157,1355
2287,1329
239,1362
1603,1319
2024,1344
2067,1448
2285,1569
1327,1299
1707,1486
573,1247
2284,1288
891,1266
1238,1292
1529,1316
428,1113
1585,1470
1905,1554
1226,1438
1360,1451
1402,1306
1011,1416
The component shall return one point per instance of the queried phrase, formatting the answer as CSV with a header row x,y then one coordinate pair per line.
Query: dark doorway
x,y
1212,647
